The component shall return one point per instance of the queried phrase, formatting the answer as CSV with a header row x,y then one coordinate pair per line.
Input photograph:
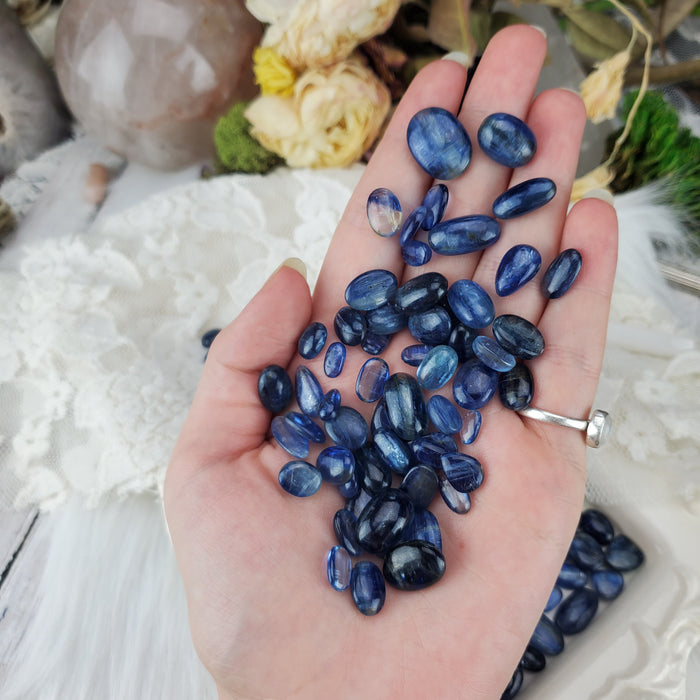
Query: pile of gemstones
x,y
413,433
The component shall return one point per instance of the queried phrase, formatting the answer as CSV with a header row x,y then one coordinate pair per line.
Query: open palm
x,y
264,620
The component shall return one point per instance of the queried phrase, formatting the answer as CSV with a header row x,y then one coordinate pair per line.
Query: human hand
x,y
264,620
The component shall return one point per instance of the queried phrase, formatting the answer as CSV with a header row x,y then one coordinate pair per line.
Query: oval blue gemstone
x,y
416,253
334,360
429,448
492,354
306,427
383,212
344,526
623,554
380,418
571,576
358,503
439,143
608,583
308,391
375,344
312,340
471,425
329,406
395,453
208,338
386,319
516,387
533,659
513,687
413,222
437,368
289,438
547,637
371,289
597,525
371,379
471,304
554,599
435,203
577,611
336,464
383,520
300,478
405,406
518,336
464,234
444,415
425,527
413,355
462,339
524,197
464,472
507,140
421,293
456,501
412,566
474,384
275,388
561,273
348,429
351,487
585,551
350,325
375,474
367,587
421,485
338,568
432,327
517,267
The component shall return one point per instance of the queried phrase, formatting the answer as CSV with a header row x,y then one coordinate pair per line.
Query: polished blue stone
x,y
431,327
416,253
386,319
554,599
474,384
380,418
405,406
597,525
461,339
444,415
421,485
275,388
437,368
571,576
334,360
471,426
312,340
532,659
348,429
464,234
435,202
492,354
576,611
371,380
356,504
338,568
507,140
383,520
300,478
351,487
413,222
371,289
330,405
518,336
383,212
344,526
413,355
464,472
375,344
373,471
547,637
608,583
421,293
367,587
439,143
585,551
429,449
623,554
289,438
517,267
456,501
516,388
414,565
424,526
395,453
350,325
514,685
306,427
524,197
471,303
336,464
561,273
308,391
208,338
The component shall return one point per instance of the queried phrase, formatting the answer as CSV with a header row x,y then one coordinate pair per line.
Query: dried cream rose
x,y
601,89
270,11
322,32
332,118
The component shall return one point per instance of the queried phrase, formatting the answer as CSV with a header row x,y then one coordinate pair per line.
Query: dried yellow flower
x,y
331,119
597,178
272,73
601,90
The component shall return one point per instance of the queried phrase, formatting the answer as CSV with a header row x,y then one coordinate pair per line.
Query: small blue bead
x,y
336,464
439,143
608,583
350,326
456,501
585,551
435,202
371,289
386,320
424,526
371,380
208,337
368,588
395,453
444,415
383,520
474,384
492,354
464,234
517,267
312,340
339,568
514,685
516,387
576,612
561,273
410,227
374,473
524,197
344,526
330,405
306,427
532,659
432,327
471,304
413,566
383,212
571,576
334,360
429,449
380,418
416,253
420,484
300,478
471,425
413,354
464,472
437,368
597,525
308,391
547,637
421,293
275,388
518,336
348,429
554,599
507,140
375,344
623,554
405,406
462,339
289,437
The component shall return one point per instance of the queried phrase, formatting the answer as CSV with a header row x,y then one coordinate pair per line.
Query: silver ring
x,y
597,428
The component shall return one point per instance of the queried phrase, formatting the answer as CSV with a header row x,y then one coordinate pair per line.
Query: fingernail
x,y
602,194
458,57
539,29
295,264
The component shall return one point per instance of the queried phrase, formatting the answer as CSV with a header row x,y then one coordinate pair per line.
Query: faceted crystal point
x,y
533,659
547,637
435,203
393,451
405,406
474,384
623,554
336,464
585,551
421,485
554,599
412,566
516,387
464,472
439,143
312,340
414,221
492,354
471,303
456,501
371,380
367,587
275,388
524,197
413,354
338,568
561,273
437,368
348,429
430,448
432,327
444,415
334,359
416,253
300,478
371,289
383,520
517,267
425,527
518,336
383,212
576,612
471,425
597,525
350,325
289,438
608,583
507,140
421,293
465,234
308,391
344,526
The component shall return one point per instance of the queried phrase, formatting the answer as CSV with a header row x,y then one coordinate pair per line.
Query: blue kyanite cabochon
x,y
416,253
371,379
492,354
330,405
393,451
574,614
608,583
344,526
431,327
375,344
524,197
561,273
312,340
444,415
435,202
383,212
308,391
474,384
367,587
348,428
334,360
386,319
289,437
571,576
623,554
412,566
383,520
405,406
437,368
465,234
554,599
547,637
413,222
413,354
464,472
430,448
421,293
518,336
462,340
517,267
350,325
275,388
585,551
336,464
371,289
424,526
516,388
439,143
471,426
338,568
305,426
300,478
470,303
597,525
507,140
456,501
532,659
421,485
